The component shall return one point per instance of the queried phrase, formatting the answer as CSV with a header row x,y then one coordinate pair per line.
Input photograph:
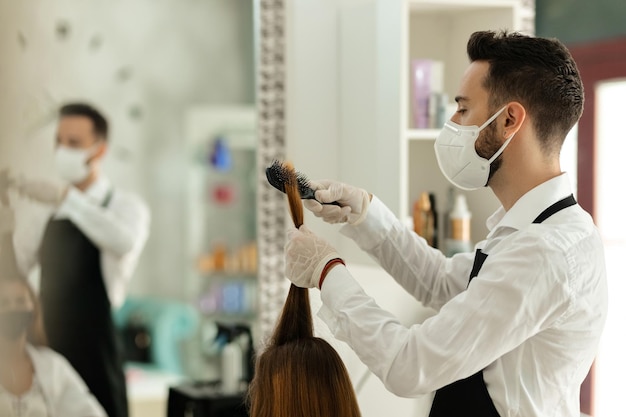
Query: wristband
x,y
327,267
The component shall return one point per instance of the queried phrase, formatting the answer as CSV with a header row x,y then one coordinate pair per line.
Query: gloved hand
x,y
306,255
354,202
42,190
7,220
5,183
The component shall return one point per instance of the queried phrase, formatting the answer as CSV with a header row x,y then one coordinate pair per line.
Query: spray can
x,y
232,367
460,220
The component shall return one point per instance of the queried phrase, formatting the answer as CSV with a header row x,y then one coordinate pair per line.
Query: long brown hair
x,y
36,334
299,375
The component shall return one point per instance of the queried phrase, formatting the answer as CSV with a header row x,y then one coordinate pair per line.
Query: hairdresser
x,y
86,235
518,322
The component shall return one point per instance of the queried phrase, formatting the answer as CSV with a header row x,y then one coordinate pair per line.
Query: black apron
x,y
77,312
469,397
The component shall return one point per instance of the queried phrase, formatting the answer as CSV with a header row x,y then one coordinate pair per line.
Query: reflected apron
x,y
469,397
77,312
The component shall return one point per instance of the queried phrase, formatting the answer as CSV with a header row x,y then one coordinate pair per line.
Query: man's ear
x,y
515,114
101,150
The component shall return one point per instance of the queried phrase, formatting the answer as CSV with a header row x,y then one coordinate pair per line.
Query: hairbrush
x,y
278,174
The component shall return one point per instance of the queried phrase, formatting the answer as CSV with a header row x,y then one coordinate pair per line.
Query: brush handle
x,y
307,193
334,203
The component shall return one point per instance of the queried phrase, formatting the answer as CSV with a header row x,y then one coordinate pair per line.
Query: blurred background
x,y
180,82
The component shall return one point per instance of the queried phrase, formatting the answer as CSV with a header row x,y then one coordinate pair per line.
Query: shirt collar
x,y
530,205
99,189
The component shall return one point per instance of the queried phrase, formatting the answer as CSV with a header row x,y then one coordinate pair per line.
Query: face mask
x,y
457,157
14,324
71,164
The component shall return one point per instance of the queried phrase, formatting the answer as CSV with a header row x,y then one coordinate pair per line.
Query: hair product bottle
x,y
460,217
232,367
433,209
423,218
447,233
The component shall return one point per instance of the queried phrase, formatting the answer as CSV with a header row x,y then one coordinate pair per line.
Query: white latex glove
x,y
43,190
6,181
354,202
7,220
306,255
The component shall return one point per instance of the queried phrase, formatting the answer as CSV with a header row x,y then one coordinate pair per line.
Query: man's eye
x,y
461,111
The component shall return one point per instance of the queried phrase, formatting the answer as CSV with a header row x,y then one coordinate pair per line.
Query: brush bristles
x,y
293,195
277,176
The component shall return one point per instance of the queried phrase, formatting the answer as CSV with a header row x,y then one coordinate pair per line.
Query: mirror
x,y
173,78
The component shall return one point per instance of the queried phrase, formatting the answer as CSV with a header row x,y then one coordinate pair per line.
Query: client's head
x,y
299,375
20,314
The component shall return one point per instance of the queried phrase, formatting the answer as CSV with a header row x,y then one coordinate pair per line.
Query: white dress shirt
x,y
119,230
31,404
57,391
531,319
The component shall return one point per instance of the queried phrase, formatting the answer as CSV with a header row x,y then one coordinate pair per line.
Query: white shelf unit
x,y
379,149
421,134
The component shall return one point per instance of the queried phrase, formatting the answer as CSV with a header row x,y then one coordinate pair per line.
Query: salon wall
x,y
143,62
578,21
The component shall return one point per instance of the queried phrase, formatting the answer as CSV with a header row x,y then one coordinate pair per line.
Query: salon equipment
x,y
204,399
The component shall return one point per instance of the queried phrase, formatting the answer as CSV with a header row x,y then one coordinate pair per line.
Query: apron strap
x,y
107,198
556,207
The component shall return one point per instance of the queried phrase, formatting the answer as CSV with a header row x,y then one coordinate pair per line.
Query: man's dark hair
x,y
100,124
539,73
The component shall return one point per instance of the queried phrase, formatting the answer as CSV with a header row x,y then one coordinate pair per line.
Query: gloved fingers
x,y
305,230
306,254
330,213
5,176
297,258
22,187
323,211
42,190
332,192
17,180
334,214
312,205
7,220
5,183
358,216
13,177
322,184
317,184
27,186
297,239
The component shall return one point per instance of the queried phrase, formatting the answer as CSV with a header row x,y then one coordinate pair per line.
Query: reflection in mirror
x,y
150,66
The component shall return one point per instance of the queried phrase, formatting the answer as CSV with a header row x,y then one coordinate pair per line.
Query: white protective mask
x,y
457,157
71,164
